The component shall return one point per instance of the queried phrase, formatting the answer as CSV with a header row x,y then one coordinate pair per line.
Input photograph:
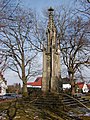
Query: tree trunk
x,y
72,88
25,91
72,85
71,77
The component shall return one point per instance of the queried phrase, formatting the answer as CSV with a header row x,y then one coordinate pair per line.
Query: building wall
x,y
3,85
85,88
66,86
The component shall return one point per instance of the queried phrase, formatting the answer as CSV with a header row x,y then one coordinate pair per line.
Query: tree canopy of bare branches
x,y
15,39
73,33
24,36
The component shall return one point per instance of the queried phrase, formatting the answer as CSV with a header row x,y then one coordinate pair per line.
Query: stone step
x,y
67,100
52,101
75,104
72,102
47,105
65,97
47,101
85,102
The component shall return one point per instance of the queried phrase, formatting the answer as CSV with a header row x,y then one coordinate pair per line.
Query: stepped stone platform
x,y
61,104
50,106
70,101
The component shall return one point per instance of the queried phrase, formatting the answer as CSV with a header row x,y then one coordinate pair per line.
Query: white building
x,y
85,88
66,83
3,85
66,86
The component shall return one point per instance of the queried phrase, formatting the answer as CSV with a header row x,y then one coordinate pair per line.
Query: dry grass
x,y
85,118
25,110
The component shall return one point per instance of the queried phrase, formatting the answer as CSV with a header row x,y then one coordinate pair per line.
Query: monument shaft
x,y
51,58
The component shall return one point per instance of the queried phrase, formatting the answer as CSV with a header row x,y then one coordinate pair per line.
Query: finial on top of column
x,y
51,9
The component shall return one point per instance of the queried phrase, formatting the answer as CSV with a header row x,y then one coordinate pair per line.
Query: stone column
x,y
44,77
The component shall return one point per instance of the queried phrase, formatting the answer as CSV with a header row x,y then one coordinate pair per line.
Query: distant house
x,y
36,84
15,88
3,85
82,87
66,83
85,88
88,86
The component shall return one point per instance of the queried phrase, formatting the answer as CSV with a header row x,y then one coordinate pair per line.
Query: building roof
x,y
80,84
66,80
29,83
88,86
37,82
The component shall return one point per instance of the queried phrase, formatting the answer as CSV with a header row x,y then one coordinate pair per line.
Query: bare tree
x,y
73,34
7,9
84,8
3,63
38,33
16,39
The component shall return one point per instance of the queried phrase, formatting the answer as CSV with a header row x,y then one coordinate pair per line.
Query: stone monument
x,y
51,58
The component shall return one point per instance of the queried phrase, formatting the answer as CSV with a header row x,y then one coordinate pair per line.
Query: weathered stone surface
x,y
51,58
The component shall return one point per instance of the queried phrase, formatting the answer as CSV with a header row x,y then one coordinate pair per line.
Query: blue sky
x,y
38,5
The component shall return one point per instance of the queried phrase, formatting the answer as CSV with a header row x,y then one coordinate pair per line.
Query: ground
x,y
27,109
